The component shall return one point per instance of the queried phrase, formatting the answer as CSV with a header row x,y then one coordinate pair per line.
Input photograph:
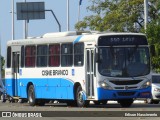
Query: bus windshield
x,y
124,61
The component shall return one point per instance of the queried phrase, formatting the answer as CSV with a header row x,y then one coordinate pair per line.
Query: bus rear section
x,y
123,68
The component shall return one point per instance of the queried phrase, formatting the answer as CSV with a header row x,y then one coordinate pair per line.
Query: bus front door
x,y
90,73
15,67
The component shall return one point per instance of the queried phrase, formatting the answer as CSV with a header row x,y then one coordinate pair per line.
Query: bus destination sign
x,y
122,40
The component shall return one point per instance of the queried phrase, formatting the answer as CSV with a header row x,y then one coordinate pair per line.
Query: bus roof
x,y
63,37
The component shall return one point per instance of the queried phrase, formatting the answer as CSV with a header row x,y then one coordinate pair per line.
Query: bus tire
x,y
126,102
31,96
79,98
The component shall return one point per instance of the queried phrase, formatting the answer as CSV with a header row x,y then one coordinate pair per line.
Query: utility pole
x,y
13,20
79,4
78,13
25,27
67,15
145,14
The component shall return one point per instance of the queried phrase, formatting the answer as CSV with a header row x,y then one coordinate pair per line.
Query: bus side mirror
x,y
152,50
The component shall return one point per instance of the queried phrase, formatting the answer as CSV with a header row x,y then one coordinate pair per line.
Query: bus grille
x,y
121,88
126,93
126,82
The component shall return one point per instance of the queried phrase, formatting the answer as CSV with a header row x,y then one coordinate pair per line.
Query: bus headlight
x,y
146,84
105,85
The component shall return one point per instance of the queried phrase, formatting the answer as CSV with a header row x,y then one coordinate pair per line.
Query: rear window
x,y
156,79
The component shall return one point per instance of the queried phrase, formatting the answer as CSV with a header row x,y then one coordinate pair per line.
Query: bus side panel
x,y
10,87
23,87
53,84
52,88
68,85
51,94
60,88
39,86
23,93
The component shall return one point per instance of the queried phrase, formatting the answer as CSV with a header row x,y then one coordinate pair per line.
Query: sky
x,y
39,27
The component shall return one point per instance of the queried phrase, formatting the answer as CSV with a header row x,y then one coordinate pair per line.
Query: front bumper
x,y
104,94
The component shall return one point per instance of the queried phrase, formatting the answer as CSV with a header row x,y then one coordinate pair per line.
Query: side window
x,y
30,52
22,56
8,57
67,55
79,54
54,55
42,51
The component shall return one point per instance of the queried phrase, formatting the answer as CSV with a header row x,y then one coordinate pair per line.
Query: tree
x,y
2,68
118,15
128,16
153,34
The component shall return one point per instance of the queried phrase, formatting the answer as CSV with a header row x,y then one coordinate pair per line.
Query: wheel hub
x,y
80,97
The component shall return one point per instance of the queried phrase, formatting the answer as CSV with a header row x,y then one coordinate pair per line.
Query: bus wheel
x,y
79,98
125,102
31,95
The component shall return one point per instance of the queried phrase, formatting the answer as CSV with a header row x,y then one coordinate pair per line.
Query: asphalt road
x,y
60,111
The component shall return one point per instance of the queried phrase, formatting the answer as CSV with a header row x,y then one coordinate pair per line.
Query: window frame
x,y
42,55
9,57
55,55
22,56
32,55
80,54
66,58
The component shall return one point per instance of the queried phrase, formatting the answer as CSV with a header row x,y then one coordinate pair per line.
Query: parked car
x,y
155,89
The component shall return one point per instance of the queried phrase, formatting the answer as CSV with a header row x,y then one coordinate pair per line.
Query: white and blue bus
x,y
77,68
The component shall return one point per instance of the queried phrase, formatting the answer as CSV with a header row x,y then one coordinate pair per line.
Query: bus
x,y
76,68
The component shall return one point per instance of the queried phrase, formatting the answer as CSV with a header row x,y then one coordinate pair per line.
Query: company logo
x,y
6,114
126,87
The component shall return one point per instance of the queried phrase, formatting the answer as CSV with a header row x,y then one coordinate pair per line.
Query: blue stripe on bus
x,y
77,40
104,94
51,88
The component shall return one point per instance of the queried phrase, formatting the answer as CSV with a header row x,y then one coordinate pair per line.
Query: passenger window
x,y
54,55
67,54
79,54
30,52
42,51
